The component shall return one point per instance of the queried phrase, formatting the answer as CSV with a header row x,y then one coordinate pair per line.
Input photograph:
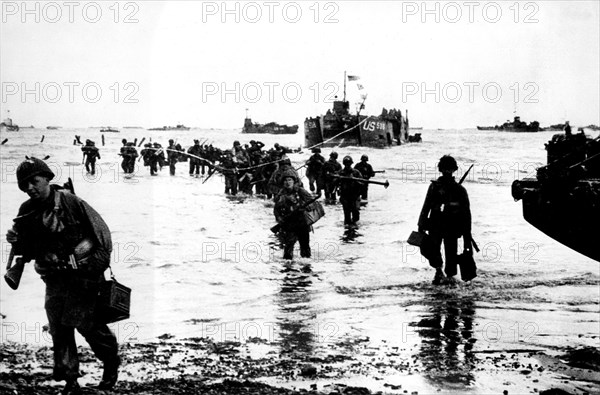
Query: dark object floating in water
x,y
52,127
563,201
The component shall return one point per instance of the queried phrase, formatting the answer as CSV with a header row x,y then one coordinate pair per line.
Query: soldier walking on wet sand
x,y
71,245
446,215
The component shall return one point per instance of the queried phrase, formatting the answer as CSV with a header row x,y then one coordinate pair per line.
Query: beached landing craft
x,y
563,201
338,127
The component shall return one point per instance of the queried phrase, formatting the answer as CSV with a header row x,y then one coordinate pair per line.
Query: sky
x,y
204,64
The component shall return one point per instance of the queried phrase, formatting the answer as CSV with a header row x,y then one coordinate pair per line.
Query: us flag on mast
x,y
353,77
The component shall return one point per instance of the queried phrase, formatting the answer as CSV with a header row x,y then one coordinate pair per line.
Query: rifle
x,y
473,243
214,170
386,184
14,272
277,227
465,175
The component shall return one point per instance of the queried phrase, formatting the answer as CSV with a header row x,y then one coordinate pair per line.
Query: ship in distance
x,y
515,126
178,127
270,128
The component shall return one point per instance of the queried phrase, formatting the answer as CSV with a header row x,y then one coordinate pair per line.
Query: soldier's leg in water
x,y
234,184
436,253
347,206
289,240
450,246
304,239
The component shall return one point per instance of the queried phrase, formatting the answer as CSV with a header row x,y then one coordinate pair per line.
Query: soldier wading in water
x,y
446,214
71,246
290,204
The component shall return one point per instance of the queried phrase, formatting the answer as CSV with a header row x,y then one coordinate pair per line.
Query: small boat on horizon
x,y
178,127
109,130
53,127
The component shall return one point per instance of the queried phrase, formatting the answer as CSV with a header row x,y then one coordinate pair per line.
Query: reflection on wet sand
x,y
297,319
447,340
351,234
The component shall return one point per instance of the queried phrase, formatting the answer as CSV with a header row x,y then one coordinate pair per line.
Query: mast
x,y
344,85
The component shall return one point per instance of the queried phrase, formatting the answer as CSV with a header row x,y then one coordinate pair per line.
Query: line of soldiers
x,y
329,176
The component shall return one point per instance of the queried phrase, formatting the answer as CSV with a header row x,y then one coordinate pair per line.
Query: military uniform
x,y
332,166
196,151
314,170
349,191
446,214
367,172
48,230
91,153
288,212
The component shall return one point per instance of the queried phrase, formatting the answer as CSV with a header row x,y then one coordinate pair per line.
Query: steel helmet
x,y
334,155
447,163
316,150
347,160
364,158
288,174
30,168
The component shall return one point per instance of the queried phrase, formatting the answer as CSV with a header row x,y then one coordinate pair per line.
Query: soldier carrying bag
x,y
114,300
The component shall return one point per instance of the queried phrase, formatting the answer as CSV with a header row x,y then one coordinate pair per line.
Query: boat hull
x,y
372,131
568,214
277,129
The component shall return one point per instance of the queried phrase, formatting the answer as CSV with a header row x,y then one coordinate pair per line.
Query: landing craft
x,y
270,128
338,127
563,201
8,124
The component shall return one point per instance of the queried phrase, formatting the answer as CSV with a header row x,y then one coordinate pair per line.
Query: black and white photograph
x,y
300,197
